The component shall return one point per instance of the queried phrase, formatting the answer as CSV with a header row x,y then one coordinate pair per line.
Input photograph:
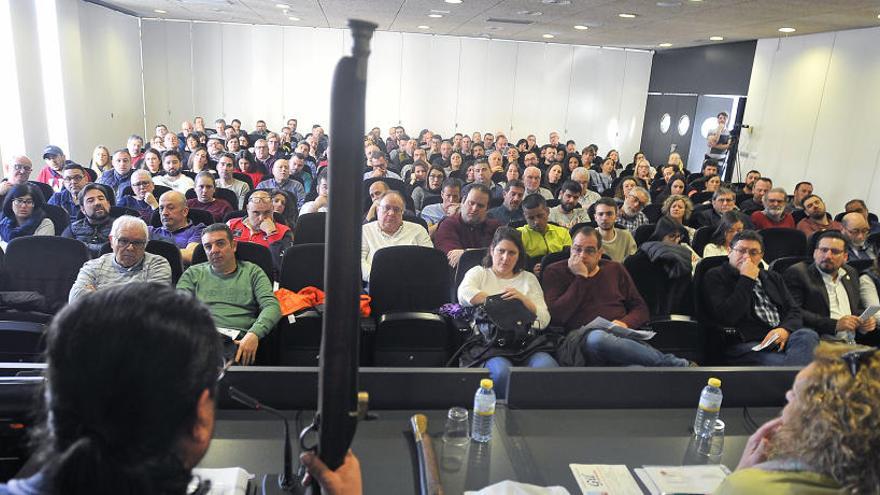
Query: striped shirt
x,y
104,272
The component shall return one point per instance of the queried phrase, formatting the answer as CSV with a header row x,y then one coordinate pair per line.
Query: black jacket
x,y
808,290
731,302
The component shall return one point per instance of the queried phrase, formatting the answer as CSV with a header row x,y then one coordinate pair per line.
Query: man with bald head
x,y
17,171
856,230
259,226
176,227
389,229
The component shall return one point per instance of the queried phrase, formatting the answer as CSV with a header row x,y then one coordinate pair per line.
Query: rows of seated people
x,y
571,235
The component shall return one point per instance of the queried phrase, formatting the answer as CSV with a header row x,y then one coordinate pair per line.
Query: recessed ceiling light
x,y
548,36
294,18
668,4
787,30
556,2
424,27
160,11
530,12
627,15
580,27
453,1
665,45
716,38
282,5
435,16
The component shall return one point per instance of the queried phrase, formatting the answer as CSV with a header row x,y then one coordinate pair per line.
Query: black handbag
x,y
504,323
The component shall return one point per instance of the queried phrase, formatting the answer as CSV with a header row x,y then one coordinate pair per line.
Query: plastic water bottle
x,y
484,412
709,408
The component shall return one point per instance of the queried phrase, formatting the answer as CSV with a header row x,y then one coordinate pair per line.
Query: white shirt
x,y
182,184
543,191
838,299
374,239
588,198
480,279
568,220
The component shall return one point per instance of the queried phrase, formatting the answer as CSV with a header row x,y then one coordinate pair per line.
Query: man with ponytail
x,y
132,379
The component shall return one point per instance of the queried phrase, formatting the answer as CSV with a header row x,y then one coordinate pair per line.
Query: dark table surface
x,y
530,446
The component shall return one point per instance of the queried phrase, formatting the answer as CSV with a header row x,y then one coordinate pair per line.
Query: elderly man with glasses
x,y
75,178
631,215
143,200
17,172
259,226
764,322
389,229
128,262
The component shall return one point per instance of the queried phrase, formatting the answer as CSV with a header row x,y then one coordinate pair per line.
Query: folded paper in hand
x,y
623,332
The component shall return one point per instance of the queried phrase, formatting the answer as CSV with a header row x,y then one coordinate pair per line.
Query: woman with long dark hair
x,y
24,215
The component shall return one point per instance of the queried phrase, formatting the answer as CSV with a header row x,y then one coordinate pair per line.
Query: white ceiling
x,y
680,22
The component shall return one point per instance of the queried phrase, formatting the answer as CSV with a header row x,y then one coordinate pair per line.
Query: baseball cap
x,y
52,150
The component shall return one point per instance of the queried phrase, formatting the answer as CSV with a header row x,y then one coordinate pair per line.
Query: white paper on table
x,y
623,332
683,479
609,479
225,481
508,487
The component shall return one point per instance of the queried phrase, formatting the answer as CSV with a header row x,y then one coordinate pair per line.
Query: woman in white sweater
x,y
502,272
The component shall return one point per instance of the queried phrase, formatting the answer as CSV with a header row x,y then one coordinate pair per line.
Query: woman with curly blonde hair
x,y
827,440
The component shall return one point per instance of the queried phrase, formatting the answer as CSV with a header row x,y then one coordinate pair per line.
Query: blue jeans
x,y
499,369
602,348
798,351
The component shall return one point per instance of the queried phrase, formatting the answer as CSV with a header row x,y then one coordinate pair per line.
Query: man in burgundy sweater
x,y
588,286
467,229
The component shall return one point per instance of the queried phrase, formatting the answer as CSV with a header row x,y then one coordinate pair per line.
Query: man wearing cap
x,y
54,159
17,172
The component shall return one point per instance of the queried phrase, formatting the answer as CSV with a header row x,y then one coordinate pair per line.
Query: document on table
x,y
626,333
697,480
605,479
224,481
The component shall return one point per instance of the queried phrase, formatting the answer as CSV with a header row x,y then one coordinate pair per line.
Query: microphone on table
x,y
287,482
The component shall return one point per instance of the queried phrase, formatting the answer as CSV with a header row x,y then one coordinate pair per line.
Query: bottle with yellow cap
x,y
484,412
709,408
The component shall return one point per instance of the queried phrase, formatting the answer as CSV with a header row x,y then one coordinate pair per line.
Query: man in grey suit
x,y
827,291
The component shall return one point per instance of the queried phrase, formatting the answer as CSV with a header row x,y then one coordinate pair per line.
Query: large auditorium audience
x,y
579,210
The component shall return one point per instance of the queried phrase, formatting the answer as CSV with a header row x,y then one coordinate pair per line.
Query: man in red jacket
x,y
587,287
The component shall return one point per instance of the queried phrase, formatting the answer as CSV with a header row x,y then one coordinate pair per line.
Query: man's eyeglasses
x,y
834,251
855,359
22,168
750,252
123,243
858,231
73,178
140,184
586,250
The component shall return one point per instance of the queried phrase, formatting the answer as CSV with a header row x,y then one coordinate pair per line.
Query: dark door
x,y
658,140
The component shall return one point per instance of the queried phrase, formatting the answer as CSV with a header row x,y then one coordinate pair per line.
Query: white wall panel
x,y
236,74
812,105
631,115
466,84
207,55
473,79
383,81
156,87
